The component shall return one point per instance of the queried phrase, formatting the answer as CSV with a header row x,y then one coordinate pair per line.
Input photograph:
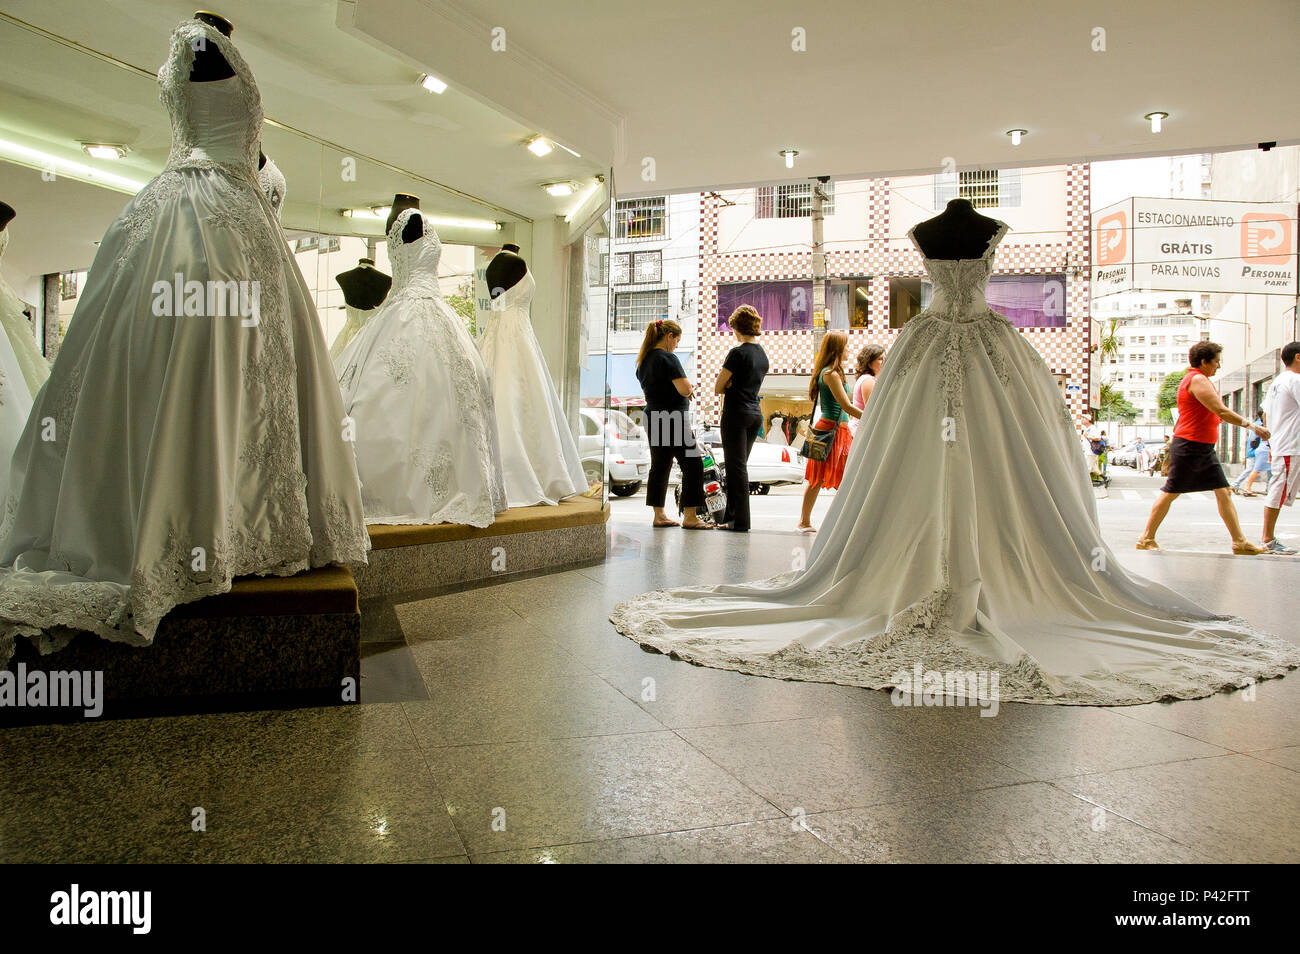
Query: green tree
x,y
1113,406
1169,394
463,305
1110,340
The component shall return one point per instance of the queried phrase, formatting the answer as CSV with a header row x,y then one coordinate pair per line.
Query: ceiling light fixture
x,y
559,189
582,200
788,155
576,155
45,162
538,146
1015,135
103,150
1157,120
432,83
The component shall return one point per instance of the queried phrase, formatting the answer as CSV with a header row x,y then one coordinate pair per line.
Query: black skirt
x,y
1193,467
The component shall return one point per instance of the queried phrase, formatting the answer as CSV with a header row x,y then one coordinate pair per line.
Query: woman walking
x,y
667,404
826,389
739,382
870,358
1193,464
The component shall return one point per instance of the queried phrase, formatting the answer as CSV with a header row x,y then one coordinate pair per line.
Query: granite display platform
x,y
270,642
407,559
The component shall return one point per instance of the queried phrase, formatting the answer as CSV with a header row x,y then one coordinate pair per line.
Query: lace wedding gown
x,y
420,400
538,453
944,551
355,321
166,456
22,343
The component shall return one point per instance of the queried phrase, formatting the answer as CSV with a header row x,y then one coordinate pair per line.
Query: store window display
x,y
364,290
168,455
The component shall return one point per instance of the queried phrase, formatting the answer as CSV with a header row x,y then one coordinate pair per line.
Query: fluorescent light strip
x,y
482,224
582,200
35,159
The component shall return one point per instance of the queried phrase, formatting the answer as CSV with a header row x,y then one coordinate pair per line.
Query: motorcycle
x,y
715,484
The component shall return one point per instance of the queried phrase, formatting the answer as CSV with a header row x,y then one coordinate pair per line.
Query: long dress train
x,y
944,551
174,449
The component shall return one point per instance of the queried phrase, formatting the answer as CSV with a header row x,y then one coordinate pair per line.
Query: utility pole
x,y
818,264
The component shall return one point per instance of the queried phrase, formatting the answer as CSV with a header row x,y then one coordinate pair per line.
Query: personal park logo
x,y
1112,238
1267,238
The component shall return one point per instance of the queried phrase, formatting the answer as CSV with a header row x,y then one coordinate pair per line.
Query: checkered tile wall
x,y
1065,350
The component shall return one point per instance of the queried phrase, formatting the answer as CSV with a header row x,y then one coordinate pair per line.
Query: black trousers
x,y
661,464
739,431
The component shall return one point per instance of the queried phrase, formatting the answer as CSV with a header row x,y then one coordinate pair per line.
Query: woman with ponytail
x,y
667,405
826,389
870,358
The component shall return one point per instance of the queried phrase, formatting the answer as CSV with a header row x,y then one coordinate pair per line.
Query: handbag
x,y
818,443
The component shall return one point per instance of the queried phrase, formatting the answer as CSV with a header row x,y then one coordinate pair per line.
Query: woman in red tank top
x,y
1193,464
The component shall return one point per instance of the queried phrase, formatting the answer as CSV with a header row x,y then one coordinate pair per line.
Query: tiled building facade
x,y
880,257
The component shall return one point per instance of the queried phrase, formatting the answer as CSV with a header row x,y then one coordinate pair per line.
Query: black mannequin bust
x,y
958,232
413,230
7,214
209,64
261,159
401,202
505,270
365,286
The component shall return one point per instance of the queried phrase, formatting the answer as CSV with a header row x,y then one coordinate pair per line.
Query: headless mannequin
x,y
958,232
364,287
414,229
7,214
505,270
261,159
209,64
401,202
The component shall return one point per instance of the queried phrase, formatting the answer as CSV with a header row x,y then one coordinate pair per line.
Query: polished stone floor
x,y
510,723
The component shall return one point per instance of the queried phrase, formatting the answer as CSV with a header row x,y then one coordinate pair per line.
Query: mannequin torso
x,y
958,232
505,270
365,286
209,64
401,202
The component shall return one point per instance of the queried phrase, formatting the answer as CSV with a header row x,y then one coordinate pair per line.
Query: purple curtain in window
x,y
1029,301
785,306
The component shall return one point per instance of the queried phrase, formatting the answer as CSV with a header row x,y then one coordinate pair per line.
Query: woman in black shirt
x,y
667,405
739,382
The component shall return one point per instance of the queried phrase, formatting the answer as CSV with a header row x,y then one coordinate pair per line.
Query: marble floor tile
x,y
574,790
1232,809
779,841
1032,823
815,765
1287,757
389,674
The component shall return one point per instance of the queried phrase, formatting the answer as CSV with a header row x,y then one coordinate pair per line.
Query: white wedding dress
x,y
352,325
15,392
941,550
538,453
166,456
420,401
271,181
22,343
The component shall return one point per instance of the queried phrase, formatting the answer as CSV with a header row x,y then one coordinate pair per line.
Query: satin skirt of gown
x,y
943,550
538,453
419,399
167,455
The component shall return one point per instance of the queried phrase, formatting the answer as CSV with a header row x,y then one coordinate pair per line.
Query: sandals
x,y
1247,548
1147,544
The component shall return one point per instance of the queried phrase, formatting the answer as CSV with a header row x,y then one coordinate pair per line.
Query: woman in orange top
x,y
1193,464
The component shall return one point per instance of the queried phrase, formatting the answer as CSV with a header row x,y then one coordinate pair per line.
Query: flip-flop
x,y
697,526
806,529
668,524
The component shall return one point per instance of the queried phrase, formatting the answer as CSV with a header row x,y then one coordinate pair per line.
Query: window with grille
x,y
985,188
331,244
634,310
648,266
67,286
791,201
622,268
641,218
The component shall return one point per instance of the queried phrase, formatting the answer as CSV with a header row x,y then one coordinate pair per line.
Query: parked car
x,y
613,447
1126,456
770,465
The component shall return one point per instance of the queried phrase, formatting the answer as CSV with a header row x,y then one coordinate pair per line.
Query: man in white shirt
x,y
1283,409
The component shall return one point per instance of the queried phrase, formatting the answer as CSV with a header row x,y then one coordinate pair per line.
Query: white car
x,y
612,444
770,465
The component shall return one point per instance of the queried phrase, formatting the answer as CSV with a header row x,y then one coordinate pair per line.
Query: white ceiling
x,y
712,91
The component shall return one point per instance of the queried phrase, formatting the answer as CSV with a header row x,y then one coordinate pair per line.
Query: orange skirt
x,y
830,471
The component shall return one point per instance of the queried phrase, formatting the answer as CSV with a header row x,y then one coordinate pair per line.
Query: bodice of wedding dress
x,y
518,298
216,122
415,264
271,181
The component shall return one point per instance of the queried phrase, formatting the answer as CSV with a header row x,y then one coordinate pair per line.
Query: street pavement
x,y
1193,524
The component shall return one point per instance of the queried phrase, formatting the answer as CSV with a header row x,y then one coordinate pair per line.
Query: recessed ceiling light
x,y
432,83
1157,120
559,189
788,155
1015,135
44,161
103,150
538,146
